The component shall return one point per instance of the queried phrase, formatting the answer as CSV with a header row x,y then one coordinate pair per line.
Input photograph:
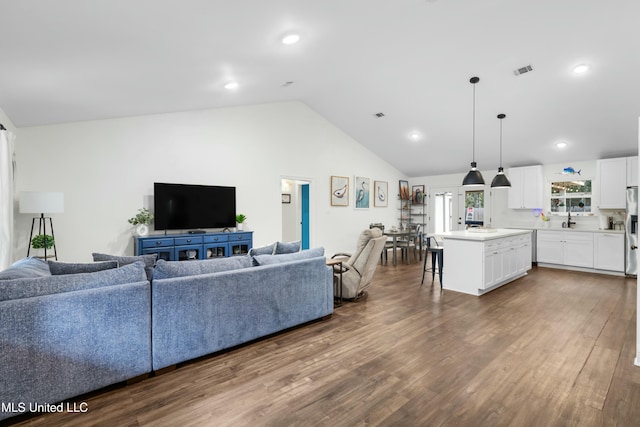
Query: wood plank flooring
x,y
554,348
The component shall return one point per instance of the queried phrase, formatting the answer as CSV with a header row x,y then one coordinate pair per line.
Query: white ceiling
x,y
76,60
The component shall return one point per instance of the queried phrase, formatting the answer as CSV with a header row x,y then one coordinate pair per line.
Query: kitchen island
x,y
480,260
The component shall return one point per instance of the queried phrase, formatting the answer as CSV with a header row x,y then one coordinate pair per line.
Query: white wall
x,y
107,168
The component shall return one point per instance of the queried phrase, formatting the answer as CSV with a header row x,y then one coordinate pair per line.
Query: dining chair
x,y
411,243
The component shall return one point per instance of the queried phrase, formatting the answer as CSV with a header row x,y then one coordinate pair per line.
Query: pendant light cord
x,y
500,142
473,138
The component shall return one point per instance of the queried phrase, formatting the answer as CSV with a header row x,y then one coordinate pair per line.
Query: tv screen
x,y
184,206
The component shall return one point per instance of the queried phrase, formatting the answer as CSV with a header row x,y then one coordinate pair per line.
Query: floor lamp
x,y
42,202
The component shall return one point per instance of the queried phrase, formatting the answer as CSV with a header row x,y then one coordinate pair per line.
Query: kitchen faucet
x,y
569,222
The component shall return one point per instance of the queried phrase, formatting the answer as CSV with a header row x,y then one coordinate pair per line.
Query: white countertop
x,y
483,234
577,230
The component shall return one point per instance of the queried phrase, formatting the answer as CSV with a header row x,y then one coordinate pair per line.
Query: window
x,y
571,196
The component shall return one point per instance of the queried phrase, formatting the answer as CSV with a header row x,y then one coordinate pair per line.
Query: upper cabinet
x,y
612,183
632,171
526,187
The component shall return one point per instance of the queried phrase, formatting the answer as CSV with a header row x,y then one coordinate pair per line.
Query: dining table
x,y
407,233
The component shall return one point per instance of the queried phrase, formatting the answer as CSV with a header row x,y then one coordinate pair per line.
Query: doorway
x,y
442,219
296,211
443,212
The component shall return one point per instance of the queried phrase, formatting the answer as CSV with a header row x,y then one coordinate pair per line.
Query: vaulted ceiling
x,y
411,60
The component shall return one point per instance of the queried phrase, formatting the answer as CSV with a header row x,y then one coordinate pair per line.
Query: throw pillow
x,y
169,269
148,260
26,268
263,250
278,259
287,248
58,268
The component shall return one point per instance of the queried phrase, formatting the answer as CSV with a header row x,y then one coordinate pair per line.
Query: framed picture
x,y
339,191
361,190
380,189
417,194
404,190
286,198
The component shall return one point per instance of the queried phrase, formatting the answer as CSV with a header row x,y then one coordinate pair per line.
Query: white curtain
x,y
7,167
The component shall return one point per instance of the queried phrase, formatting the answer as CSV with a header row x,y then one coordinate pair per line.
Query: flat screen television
x,y
189,207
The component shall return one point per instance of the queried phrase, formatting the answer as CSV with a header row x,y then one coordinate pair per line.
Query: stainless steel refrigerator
x,y
631,231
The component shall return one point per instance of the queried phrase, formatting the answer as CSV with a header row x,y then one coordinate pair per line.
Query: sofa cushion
x,y
75,268
26,268
32,287
263,250
287,248
167,269
278,259
148,260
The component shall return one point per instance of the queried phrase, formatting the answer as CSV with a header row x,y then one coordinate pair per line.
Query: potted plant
x,y
142,220
240,219
42,241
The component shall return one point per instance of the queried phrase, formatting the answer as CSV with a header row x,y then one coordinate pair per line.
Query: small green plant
x,y
42,241
240,218
142,217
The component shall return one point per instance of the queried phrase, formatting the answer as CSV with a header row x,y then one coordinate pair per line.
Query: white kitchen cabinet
x,y
570,248
632,171
609,251
526,187
578,249
612,183
505,259
480,261
550,247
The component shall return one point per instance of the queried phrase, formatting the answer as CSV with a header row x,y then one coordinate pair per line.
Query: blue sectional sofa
x,y
65,335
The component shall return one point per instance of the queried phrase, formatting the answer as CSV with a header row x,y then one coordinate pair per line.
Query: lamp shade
x,y
473,177
41,202
500,180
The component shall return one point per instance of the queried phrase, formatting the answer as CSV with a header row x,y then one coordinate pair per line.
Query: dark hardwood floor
x,y
554,348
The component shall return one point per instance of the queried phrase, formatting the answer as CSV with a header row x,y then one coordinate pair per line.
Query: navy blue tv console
x,y
185,247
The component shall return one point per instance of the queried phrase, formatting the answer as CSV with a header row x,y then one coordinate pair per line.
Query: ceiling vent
x,y
523,70
379,115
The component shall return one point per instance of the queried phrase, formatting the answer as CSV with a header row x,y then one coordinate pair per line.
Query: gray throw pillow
x,y
287,248
168,269
26,268
58,268
263,250
278,259
148,260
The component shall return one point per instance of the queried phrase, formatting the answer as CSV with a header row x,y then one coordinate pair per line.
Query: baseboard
x,y
583,269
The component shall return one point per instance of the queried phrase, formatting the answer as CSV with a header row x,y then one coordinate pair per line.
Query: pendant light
x,y
474,177
500,180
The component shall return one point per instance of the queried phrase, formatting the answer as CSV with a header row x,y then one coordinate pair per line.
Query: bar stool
x,y
437,252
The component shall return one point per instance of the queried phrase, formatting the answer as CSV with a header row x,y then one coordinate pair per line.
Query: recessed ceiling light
x,y
291,39
231,85
415,136
561,144
581,68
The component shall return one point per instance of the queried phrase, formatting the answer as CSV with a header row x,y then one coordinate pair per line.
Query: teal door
x,y
304,204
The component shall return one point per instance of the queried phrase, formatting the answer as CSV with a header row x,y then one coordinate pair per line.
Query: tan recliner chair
x,y
358,268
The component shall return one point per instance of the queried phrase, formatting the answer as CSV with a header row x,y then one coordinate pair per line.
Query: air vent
x,y
378,115
523,70
287,84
